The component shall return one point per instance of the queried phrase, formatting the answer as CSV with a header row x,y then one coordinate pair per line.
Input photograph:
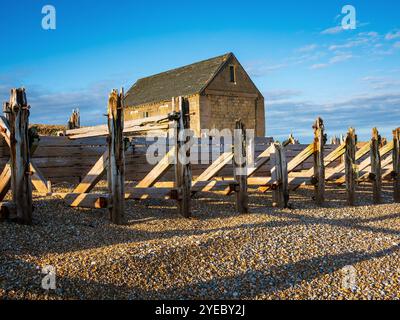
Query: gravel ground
x,y
304,252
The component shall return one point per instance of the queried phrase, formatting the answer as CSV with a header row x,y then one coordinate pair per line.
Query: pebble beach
x,y
333,252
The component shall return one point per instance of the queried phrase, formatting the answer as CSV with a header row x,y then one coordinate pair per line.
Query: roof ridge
x,y
185,66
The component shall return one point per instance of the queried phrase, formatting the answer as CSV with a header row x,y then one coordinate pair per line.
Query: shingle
x,y
187,80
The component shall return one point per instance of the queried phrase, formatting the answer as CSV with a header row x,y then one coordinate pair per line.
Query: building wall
x,y
224,101
221,104
221,112
164,108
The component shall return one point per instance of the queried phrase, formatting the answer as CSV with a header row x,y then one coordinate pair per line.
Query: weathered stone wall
x,y
164,108
221,112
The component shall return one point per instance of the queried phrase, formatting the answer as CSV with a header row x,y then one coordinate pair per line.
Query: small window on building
x,y
145,114
232,73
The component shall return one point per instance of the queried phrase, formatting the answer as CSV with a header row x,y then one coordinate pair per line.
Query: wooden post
x,y
396,165
19,155
350,166
183,173
116,162
74,121
376,174
240,168
319,167
279,177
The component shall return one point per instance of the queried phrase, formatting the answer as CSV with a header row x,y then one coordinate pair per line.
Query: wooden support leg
x,y
5,181
319,168
183,173
240,167
350,166
279,177
116,162
396,165
376,174
20,157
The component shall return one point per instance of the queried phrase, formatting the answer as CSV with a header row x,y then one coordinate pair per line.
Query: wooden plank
x,y
215,167
279,177
396,165
85,200
385,164
330,158
152,193
367,162
116,157
262,159
319,167
301,157
159,170
5,181
20,158
94,176
376,170
359,154
350,166
102,130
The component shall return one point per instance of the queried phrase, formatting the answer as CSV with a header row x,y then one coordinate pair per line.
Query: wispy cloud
x,y
55,107
362,112
333,30
308,48
281,95
392,35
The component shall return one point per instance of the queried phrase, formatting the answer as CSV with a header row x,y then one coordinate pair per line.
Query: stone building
x,y
219,92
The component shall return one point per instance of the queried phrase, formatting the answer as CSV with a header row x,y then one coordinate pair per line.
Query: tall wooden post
x,y
396,165
116,162
183,173
240,167
350,166
18,115
74,121
376,170
279,177
319,167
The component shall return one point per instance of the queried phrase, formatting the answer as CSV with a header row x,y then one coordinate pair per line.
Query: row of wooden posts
x,y
21,174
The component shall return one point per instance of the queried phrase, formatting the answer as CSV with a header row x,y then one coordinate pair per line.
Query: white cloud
x,y
308,48
340,58
392,35
319,66
333,30
281,95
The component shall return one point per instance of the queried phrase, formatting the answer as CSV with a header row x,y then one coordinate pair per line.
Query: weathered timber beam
x,y
183,172
319,166
152,193
376,169
20,158
396,165
116,157
240,167
94,176
350,166
279,177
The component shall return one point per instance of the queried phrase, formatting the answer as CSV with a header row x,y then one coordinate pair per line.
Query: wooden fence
x,y
83,159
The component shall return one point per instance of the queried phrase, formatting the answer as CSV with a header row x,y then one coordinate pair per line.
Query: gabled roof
x,y
184,81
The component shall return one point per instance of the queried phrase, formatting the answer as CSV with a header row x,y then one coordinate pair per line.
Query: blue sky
x,y
297,54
